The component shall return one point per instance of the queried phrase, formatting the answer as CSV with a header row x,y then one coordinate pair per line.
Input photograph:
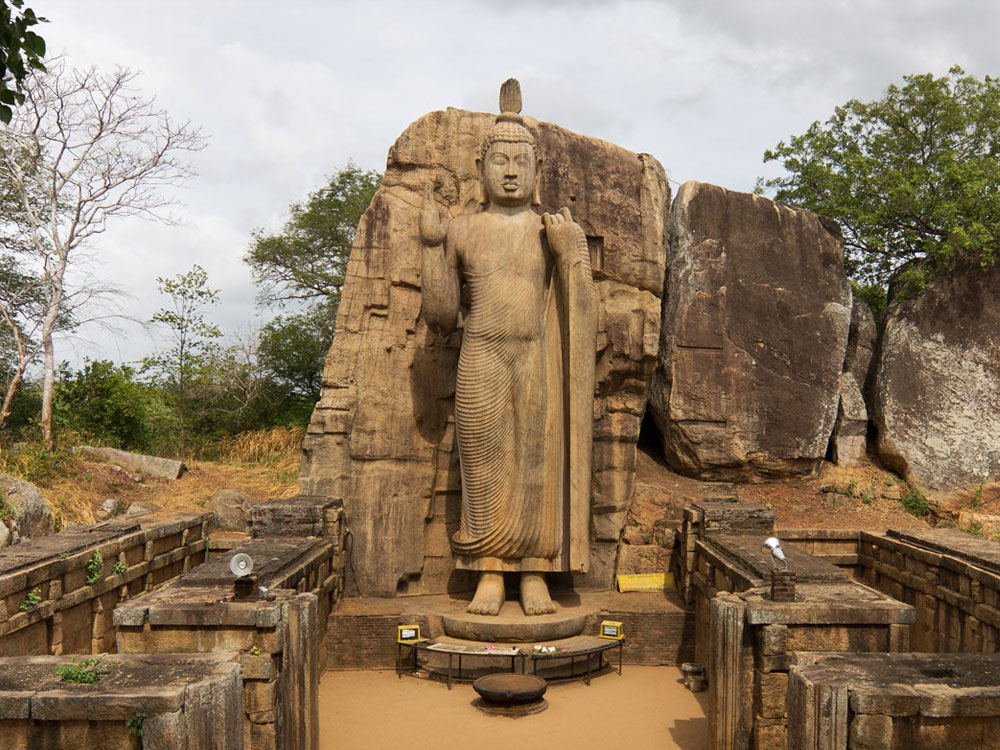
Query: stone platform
x,y
362,631
513,626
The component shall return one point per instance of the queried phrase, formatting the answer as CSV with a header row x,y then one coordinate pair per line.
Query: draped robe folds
x,y
523,415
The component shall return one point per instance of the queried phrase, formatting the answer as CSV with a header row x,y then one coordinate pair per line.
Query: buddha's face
x,y
509,173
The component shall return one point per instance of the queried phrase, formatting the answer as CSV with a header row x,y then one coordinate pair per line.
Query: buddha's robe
x,y
523,415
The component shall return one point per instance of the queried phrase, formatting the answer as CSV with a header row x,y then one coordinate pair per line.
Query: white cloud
x,y
289,92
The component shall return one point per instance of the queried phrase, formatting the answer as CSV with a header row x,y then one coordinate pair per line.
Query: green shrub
x,y
86,672
915,503
95,568
118,568
134,724
32,600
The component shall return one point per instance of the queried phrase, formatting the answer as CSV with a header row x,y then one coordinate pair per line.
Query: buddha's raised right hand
x,y
432,229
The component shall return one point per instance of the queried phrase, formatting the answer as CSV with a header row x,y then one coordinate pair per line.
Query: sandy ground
x,y
646,707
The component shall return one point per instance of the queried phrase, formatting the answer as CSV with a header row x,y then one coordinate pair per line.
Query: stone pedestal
x,y
895,701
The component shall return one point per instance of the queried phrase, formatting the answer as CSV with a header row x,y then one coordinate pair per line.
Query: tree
x,y
913,178
83,148
22,305
308,260
306,263
21,50
105,402
192,338
293,348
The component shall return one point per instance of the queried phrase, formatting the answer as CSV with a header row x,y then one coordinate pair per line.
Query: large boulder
x,y
23,502
755,323
936,399
382,435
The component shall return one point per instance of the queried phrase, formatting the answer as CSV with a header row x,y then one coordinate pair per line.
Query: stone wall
x,y
894,702
382,435
189,702
838,547
72,616
756,639
951,577
367,641
278,635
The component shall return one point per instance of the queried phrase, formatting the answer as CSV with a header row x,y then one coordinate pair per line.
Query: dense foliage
x,y
913,178
308,259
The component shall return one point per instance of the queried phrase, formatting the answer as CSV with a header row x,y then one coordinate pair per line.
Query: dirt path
x,y
647,707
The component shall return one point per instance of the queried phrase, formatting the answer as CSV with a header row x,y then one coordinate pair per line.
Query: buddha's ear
x,y
480,190
536,196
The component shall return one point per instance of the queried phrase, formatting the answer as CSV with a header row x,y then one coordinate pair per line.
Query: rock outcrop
x,y
754,335
936,400
382,435
26,512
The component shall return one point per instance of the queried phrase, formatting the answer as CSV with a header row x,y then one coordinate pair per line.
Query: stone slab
x,y
272,558
748,552
154,466
937,685
834,603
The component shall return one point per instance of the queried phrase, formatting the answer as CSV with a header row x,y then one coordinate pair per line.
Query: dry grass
x,y
261,465
259,446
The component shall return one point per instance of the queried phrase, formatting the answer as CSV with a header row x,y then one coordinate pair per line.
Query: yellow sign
x,y
645,582
611,629
407,633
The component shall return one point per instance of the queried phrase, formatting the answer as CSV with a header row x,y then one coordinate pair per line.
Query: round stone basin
x,y
510,688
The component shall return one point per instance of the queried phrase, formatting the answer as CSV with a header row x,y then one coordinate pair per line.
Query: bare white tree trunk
x,y
84,147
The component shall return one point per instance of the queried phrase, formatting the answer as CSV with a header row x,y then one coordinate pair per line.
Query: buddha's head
x,y
508,166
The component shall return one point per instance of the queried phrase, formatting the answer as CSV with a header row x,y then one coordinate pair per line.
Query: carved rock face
x,y
937,382
382,434
755,326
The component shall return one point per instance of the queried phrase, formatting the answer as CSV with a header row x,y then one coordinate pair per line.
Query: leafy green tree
x,y
192,339
308,259
20,50
912,177
106,403
306,264
293,348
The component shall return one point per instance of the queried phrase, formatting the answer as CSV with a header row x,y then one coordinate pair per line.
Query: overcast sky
x,y
289,92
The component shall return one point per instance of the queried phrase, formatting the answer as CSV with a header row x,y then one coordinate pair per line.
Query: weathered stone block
x,y
870,732
771,690
754,333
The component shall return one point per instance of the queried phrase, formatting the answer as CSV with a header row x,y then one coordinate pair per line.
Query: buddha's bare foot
x,y
535,599
489,595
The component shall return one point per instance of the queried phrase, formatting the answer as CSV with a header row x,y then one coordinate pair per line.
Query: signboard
x,y
407,633
611,629
645,582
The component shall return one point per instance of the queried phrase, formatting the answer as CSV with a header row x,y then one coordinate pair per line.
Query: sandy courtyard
x,y
647,707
